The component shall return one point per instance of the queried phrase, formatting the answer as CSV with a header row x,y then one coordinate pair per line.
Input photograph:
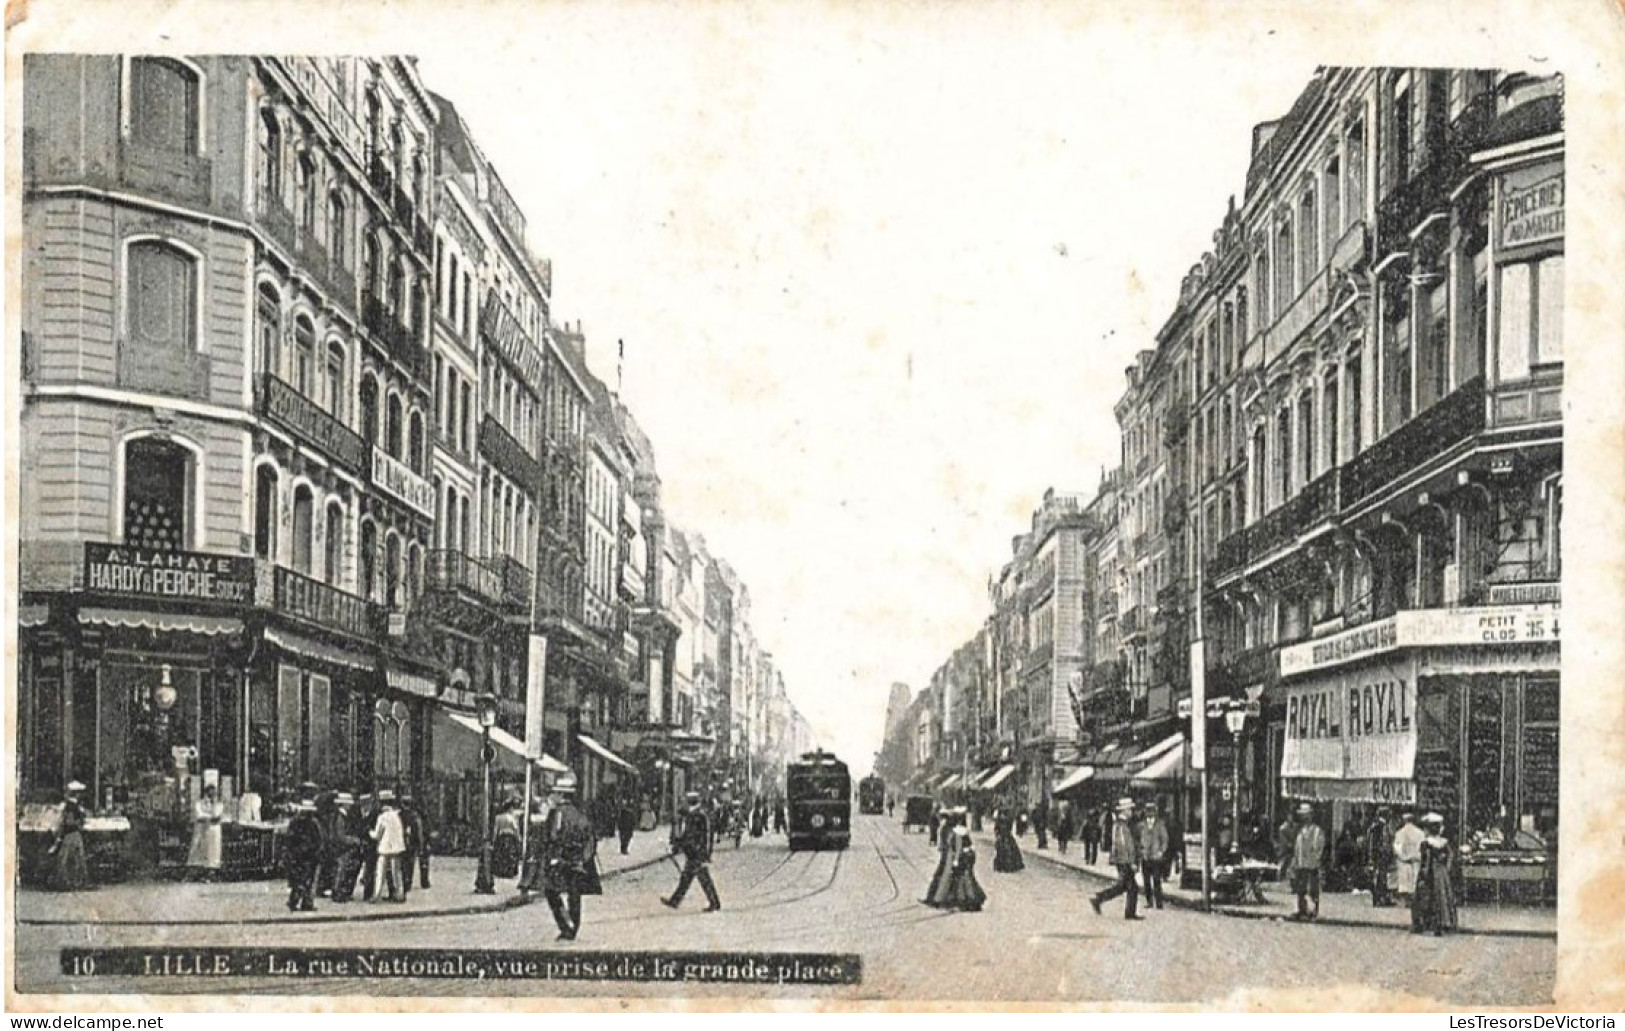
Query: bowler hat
x,y
1305,809
565,784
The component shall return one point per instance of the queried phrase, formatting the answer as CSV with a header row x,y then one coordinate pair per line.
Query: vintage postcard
x,y
535,504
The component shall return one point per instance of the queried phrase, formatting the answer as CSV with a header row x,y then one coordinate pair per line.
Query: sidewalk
x,y
266,902
1336,908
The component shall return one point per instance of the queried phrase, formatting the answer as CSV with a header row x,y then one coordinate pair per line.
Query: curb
x,y
468,909
1176,901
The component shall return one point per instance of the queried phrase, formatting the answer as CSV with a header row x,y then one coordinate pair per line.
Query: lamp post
x,y
1235,717
486,707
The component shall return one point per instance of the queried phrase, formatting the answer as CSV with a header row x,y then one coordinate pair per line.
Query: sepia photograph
x,y
540,503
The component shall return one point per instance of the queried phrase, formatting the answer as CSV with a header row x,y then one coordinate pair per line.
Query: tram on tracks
x,y
872,796
818,802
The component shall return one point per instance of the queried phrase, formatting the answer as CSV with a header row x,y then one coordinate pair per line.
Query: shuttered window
x,y
164,104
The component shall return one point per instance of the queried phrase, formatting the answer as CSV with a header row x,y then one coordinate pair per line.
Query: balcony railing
x,y
297,595
455,571
1246,668
399,341
1434,431
509,456
288,408
1129,621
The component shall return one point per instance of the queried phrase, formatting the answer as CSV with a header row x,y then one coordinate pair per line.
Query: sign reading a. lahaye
x,y
186,575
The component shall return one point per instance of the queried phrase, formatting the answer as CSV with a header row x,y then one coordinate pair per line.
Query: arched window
x,y
398,298
337,230
265,512
367,561
1261,266
392,570
162,297
304,356
369,267
305,192
304,530
164,104
157,487
333,550
369,409
336,380
392,426
414,449
268,330
414,572
270,142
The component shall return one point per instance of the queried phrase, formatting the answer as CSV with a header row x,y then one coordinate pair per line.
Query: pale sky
x,y
878,281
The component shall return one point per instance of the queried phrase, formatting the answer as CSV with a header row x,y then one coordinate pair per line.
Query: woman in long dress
x,y
1433,907
936,894
70,871
964,891
204,856
1006,853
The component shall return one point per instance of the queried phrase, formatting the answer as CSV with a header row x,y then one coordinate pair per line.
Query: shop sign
x,y
1531,206
1426,628
397,479
1526,594
411,683
1376,790
185,575
1357,725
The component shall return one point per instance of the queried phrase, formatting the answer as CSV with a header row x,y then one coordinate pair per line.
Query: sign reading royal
x,y
1426,628
1358,727
181,575
398,480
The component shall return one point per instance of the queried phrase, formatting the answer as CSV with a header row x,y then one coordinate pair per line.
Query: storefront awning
x,y
1155,752
32,615
952,782
411,683
505,741
1168,767
998,778
1073,779
164,621
594,746
310,648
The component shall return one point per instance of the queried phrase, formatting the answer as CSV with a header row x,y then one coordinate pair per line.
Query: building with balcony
x,y
1378,533
226,514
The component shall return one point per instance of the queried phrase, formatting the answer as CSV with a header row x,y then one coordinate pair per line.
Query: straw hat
x,y
1125,805
75,786
1305,809
565,784
1433,818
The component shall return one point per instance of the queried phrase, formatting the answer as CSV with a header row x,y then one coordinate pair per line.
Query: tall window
x,y
1261,266
304,356
415,444
337,229
270,141
367,561
164,99
162,297
335,380
1308,243
1328,416
305,190
265,485
1403,129
333,550
1354,176
369,267
465,428
1531,317
1433,351
393,428
1396,370
304,528
392,570
369,409
268,330
1282,470
1306,439
1355,402
1332,202
157,474
1285,257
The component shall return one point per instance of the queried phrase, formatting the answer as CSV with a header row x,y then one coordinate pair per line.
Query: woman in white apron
x,y
204,857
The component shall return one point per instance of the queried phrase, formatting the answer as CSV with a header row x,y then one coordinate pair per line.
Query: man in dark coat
x,y
417,842
693,840
1125,856
1379,857
1040,821
569,859
626,818
306,848
346,845
1089,834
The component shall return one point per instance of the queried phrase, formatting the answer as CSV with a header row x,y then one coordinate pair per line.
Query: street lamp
x,y
485,707
1235,717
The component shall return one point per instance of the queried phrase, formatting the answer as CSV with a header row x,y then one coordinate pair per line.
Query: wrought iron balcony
x,y
399,342
509,456
288,408
1129,622
455,571
516,582
1434,431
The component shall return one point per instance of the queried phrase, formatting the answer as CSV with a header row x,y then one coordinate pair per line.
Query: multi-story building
x,y
1388,587
226,411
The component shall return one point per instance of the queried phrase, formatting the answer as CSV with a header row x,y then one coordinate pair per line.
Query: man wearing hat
x,y
1407,856
1125,856
1153,854
1379,857
307,843
1308,853
569,858
390,835
693,840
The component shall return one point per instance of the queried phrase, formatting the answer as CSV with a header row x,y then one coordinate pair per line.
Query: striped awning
x,y
311,648
1168,767
1073,779
998,778
504,740
1155,752
182,622
603,752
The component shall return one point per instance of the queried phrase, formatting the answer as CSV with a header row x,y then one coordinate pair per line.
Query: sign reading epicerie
x,y
1531,206
148,573
1426,628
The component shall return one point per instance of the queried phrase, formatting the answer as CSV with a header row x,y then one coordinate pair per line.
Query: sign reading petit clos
x,y
184,575
1426,628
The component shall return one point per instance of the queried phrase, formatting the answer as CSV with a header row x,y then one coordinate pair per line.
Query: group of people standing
x,y
953,884
336,843
1411,863
1139,847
